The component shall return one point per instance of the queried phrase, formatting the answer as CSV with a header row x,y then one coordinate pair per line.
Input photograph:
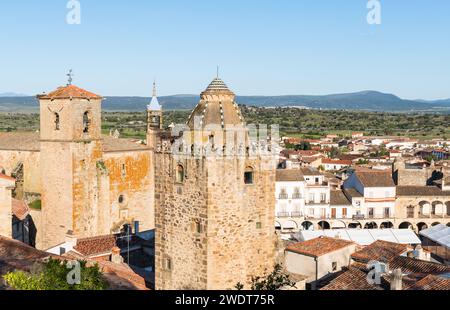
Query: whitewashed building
x,y
373,194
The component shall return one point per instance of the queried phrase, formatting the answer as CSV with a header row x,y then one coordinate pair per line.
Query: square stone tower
x,y
70,122
214,200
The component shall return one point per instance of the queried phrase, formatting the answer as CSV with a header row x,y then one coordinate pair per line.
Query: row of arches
x,y
430,208
325,225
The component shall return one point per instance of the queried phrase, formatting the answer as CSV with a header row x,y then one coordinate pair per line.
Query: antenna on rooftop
x,y
70,77
217,71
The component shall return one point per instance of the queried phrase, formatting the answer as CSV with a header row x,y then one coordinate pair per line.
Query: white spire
x,y
154,104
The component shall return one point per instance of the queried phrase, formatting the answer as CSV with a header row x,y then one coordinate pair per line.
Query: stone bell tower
x,y
214,210
70,128
154,119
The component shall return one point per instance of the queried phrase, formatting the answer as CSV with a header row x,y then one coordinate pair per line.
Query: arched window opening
x,y
180,174
57,127
86,122
248,176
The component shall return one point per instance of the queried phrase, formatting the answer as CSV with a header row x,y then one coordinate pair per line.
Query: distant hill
x,y
365,100
12,95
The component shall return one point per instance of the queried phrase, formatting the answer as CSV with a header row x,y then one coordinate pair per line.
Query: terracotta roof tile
x,y
337,162
289,175
5,177
431,282
95,245
29,141
338,198
351,279
416,266
421,191
20,209
375,178
319,246
380,251
69,92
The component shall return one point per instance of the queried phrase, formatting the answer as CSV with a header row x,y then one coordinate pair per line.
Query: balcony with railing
x,y
296,214
296,196
283,214
283,196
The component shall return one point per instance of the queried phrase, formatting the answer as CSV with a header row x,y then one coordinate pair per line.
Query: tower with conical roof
x,y
214,210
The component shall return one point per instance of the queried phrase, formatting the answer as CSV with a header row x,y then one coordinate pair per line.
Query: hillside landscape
x,y
366,100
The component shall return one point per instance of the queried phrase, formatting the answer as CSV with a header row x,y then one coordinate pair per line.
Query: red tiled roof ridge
x,y
336,161
69,92
5,177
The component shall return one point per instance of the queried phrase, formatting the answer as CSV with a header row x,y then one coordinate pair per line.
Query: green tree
x,y
52,275
276,280
304,146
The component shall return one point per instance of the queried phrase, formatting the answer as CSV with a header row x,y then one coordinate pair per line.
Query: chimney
x,y
396,280
116,258
420,253
71,239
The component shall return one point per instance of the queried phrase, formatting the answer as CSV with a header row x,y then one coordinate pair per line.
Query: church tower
x,y
70,129
154,119
214,202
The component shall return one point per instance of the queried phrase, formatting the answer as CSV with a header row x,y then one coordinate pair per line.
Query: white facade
x,y
317,268
290,198
375,202
308,198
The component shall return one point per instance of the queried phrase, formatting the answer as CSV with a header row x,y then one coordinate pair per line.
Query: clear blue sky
x,y
263,47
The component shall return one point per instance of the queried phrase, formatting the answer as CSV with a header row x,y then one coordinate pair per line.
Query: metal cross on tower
x,y
70,77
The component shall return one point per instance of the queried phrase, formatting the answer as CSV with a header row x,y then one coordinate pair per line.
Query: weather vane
x,y
70,79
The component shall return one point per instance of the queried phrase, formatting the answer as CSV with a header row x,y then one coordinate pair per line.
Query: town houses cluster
x,y
363,181
323,209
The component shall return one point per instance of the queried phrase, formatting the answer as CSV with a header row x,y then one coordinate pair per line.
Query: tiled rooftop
x,y
319,246
289,175
421,191
95,245
29,141
380,251
338,198
375,178
69,92
20,209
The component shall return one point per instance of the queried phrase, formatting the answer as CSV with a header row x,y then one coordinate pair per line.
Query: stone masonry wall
x,y
241,234
178,207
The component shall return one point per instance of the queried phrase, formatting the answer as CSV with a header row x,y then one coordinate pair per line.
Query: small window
x,y
248,176
57,127
180,174
123,170
334,266
198,227
86,122
121,199
167,264
258,225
